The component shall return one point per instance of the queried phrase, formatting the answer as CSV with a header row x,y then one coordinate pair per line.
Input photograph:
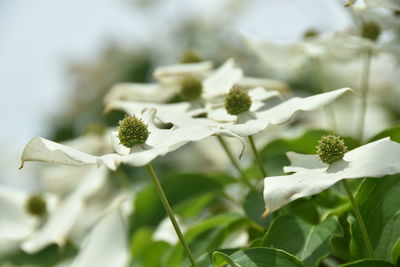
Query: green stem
x,y
170,213
232,158
257,157
324,88
359,219
364,92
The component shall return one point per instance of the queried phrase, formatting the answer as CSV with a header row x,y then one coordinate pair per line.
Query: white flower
x,y
215,83
60,222
169,79
16,223
312,176
107,243
250,122
159,143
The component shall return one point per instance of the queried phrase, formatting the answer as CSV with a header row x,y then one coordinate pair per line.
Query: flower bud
x,y
132,131
189,56
310,33
370,30
191,88
331,148
36,205
237,101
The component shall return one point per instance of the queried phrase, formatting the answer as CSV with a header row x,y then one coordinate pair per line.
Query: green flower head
x,y
191,88
36,205
370,30
331,148
237,101
132,131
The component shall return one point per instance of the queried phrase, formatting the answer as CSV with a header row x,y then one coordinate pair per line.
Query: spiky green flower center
x,y
331,148
370,30
95,129
237,101
191,88
190,56
36,205
132,131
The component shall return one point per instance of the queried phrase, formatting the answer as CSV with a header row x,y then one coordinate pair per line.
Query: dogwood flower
x,y
312,176
168,83
246,123
159,142
214,84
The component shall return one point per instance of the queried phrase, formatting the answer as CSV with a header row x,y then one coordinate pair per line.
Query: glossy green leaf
x,y
368,263
378,200
179,189
393,132
310,243
254,207
264,257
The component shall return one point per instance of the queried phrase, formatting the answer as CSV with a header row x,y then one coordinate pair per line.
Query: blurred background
x,y
59,58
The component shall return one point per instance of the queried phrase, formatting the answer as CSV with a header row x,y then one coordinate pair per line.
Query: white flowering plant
x,y
207,166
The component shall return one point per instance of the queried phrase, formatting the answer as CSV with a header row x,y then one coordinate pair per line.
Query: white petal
x,y
222,80
376,159
269,84
135,108
107,244
283,112
140,92
302,162
118,147
171,74
40,149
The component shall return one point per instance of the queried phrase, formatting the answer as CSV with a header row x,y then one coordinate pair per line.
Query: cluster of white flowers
x,y
205,113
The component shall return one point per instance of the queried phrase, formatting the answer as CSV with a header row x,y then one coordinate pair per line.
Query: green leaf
x,y
179,189
310,243
207,235
217,256
265,257
368,263
393,133
254,207
48,257
396,252
379,204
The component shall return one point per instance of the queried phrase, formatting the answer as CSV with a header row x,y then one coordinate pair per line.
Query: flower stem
x,y
170,213
359,219
257,157
364,92
232,158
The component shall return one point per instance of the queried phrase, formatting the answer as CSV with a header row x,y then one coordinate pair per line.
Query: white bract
x,y
253,122
312,176
215,83
159,143
107,243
